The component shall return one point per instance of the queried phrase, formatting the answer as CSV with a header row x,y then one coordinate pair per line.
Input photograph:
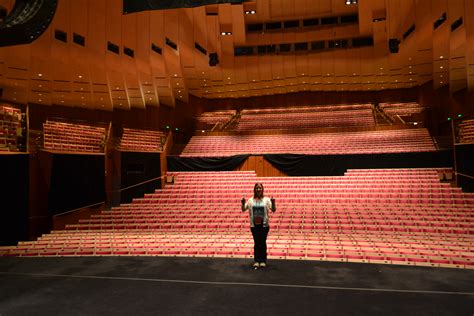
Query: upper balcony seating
x,y
68,137
386,141
466,131
141,140
10,128
307,117
214,117
401,109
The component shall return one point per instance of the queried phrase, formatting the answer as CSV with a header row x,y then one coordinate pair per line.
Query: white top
x,y
258,206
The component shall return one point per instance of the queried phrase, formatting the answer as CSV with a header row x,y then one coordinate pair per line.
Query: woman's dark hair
x,y
255,189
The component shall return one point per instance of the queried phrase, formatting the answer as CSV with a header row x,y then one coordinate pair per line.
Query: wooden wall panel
x,y
261,167
469,26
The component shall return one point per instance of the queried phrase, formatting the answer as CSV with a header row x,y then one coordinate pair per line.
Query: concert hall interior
x,y
130,132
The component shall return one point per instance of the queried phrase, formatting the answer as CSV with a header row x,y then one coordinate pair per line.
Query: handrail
x,y
79,208
464,175
138,184
401,120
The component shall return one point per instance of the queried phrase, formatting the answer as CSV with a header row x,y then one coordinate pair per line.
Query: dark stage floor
x,y
210,286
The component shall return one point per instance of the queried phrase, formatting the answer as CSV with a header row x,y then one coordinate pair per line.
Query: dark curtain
x,y
76,181
137,168
333,165
465,165
14,197
176,163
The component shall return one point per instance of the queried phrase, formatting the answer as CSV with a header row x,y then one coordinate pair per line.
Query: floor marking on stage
x,y
235,283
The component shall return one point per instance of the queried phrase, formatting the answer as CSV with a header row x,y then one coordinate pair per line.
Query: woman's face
x,y
258,190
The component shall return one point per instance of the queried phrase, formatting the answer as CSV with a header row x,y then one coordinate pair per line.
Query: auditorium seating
x,y
395,110
393,216
307,117
466,131
214,117
365,142
69,137
10,122
141,140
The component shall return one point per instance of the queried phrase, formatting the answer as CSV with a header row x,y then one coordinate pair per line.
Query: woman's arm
x,y
273,204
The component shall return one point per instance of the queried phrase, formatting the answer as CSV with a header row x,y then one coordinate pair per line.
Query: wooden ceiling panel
x,y
289,63
61,67
469,27
186,38
113,19
238,24
78,16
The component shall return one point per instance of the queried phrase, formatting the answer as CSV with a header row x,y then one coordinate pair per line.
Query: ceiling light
x,y
441,57
79,76
40,75
440,67
40,86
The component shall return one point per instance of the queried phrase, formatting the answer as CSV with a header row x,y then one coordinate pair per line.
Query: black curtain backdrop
x,y
176,163
137,168
334,165
465,165
76,181
14,197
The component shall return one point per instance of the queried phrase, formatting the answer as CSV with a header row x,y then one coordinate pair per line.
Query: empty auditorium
x,y
231,157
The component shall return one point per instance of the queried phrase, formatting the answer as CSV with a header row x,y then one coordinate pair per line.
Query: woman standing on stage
x,y
258,207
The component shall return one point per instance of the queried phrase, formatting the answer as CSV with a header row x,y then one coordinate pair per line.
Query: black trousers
x,y
260,234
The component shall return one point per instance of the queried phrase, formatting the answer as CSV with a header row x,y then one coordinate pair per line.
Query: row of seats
x,y
61,136
204,222
366,142
11,128
306,117
306,109
466,131
401,109
214,117
141,140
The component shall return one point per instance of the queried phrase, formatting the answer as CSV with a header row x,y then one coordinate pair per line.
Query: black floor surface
x,y
212,286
